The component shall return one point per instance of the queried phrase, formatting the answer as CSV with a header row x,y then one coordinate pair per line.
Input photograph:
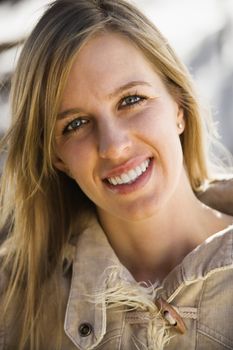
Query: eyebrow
x,y
116,92
66,112
128,86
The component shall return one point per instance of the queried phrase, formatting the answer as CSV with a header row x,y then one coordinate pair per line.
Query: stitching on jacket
x,y
187,312
199,279
136,341
135,317
206,331
104,342
122,329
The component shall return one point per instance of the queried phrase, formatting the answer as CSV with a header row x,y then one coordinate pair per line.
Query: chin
x,y
140,212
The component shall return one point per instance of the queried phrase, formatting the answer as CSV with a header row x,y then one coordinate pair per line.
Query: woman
x,y
108,247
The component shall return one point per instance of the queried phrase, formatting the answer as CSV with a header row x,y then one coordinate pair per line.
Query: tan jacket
x,y
106,309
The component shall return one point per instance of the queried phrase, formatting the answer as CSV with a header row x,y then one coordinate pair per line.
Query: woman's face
x,y
117,132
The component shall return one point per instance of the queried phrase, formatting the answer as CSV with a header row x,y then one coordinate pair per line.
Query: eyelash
x,y
81,121
140,100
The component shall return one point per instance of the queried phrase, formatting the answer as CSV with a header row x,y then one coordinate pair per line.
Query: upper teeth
x,y
131,175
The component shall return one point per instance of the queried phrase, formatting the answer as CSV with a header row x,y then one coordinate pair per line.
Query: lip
x,y
124,168
139,183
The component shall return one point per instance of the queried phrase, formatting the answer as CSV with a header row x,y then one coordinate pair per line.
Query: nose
x,y
114,141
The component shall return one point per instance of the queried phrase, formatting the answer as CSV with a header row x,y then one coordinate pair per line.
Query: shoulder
x,y
215,254
219,195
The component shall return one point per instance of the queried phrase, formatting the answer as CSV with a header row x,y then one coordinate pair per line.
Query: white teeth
x,y
119,181
114,182
125,178
130,176
143,167
138,171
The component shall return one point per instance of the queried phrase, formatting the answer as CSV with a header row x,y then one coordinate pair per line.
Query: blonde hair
x,y
38,202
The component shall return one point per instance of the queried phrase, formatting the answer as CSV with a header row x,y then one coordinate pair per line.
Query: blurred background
x,y
200,31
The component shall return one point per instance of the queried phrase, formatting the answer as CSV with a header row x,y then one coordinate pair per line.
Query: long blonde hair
x,y
41,207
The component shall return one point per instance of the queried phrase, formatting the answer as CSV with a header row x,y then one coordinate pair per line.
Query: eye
x,y
131,100
75,125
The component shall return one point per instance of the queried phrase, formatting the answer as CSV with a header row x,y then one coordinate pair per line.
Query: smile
x,y
130,176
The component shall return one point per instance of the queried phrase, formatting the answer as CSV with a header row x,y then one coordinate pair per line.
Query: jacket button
x,y
85,329
171,315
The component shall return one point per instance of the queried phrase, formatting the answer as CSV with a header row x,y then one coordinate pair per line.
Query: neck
x,y
151,247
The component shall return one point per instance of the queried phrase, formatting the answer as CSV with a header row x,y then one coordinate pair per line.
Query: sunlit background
x,y
201,31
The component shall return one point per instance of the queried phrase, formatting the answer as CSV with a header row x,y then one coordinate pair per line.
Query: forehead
x,y
109,59
102,68
108,47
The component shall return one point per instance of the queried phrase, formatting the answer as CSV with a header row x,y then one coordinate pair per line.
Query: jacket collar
x,y
213,255
94,259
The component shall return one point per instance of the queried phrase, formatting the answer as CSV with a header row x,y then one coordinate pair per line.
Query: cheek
x,y
156,124
158,129
78,157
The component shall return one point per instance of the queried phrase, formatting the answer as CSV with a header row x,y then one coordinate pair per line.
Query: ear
x,y
180,121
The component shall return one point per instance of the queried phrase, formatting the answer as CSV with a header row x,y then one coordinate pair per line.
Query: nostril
x,y
113,140
114,150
